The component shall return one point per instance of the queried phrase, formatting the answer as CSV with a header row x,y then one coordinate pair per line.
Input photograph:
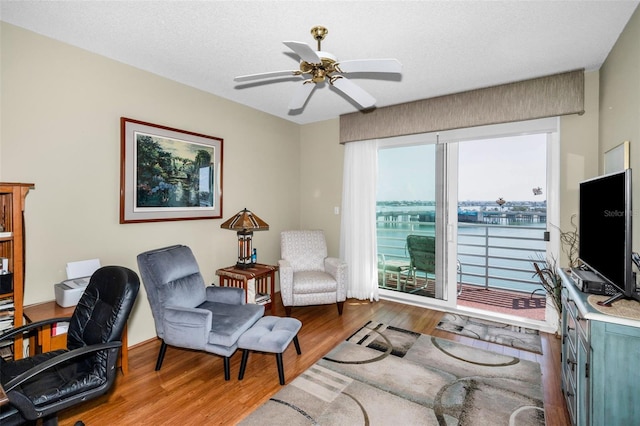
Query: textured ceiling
x,y
444,46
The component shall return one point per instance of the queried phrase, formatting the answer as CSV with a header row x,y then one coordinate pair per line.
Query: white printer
x,y
68,292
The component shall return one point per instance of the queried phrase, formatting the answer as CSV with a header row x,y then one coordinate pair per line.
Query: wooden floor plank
x,y
190,388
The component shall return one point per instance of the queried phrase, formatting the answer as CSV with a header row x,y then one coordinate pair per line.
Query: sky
x,y
183,149
488,169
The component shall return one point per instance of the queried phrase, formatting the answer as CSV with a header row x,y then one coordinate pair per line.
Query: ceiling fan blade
x,y
371,65
301,96
260,76
303,50
355,92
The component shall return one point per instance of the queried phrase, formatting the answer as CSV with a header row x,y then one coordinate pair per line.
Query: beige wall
x,y
60,130
578,153
321,159
620,106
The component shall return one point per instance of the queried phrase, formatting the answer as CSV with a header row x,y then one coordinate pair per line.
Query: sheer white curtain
x,y
358,242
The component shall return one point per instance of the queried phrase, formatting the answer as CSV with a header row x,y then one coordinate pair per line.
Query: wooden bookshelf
x,y
12,247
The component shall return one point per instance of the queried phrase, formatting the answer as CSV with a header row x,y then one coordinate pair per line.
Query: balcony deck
x,y
504,301
490,299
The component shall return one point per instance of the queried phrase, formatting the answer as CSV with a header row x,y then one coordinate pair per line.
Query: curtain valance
x,y
550,96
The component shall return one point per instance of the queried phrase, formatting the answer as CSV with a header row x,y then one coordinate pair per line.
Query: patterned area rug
x,y
502,334
383,375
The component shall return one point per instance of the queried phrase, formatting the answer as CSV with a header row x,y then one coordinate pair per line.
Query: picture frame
x,y
168,174
617,158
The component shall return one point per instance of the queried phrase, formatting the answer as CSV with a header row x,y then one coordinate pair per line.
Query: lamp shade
x,y
245,220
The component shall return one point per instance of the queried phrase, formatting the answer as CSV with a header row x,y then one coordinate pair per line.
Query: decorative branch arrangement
x,y
570,242
548,273
551,281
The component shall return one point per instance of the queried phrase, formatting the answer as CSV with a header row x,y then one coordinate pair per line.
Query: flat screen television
x,y
605,230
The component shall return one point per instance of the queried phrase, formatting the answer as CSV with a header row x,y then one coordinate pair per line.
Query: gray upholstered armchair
x,y
186,313
307,275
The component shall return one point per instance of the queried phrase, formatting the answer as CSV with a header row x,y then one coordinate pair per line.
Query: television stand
x,y
621,295
599,355
612,299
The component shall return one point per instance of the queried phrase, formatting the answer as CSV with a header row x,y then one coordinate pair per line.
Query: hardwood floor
x,y
190,388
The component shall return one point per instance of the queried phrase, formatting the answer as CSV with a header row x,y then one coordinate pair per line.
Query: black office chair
x,y
40,386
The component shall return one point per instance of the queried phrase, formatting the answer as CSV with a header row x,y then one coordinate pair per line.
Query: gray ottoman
x,y
269,334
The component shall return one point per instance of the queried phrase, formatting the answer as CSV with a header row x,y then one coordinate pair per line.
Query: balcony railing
x,y
490,255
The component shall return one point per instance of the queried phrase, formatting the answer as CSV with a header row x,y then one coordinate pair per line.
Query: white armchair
x,y
307,275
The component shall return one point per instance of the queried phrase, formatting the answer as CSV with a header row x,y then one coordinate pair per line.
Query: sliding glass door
x,y
409,217
501,224
465,209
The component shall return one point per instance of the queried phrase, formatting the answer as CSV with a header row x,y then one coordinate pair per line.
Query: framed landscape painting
x,y
168,174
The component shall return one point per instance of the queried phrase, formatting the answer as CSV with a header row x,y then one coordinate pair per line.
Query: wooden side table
x,y
264,276
47,342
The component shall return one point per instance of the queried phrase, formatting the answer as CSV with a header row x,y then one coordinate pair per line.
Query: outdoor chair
x,y
392,267
422,257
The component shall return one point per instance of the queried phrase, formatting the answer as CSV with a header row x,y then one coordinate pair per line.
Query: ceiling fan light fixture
x,y
319,72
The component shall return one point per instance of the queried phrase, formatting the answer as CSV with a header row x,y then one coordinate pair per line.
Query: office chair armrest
x,y
187,327
63,357
230,295
19,330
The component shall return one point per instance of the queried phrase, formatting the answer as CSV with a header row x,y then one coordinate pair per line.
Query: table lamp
x,y
245,222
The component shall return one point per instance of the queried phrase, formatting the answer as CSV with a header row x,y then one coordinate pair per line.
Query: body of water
x,y
500,256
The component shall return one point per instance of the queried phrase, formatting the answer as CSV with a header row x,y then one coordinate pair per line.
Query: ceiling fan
x,y
323,66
